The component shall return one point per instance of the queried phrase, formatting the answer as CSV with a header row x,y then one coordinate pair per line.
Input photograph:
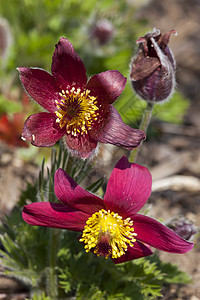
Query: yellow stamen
x,y
108,234
76,110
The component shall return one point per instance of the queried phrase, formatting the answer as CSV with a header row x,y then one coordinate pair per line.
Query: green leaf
x,y
93,188
39,297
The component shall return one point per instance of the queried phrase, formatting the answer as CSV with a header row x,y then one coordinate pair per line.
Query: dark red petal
x,y
70,193
137,251
128,188
54,215
81,145
107,86
41,86
116,132
67,67
42,130
155,234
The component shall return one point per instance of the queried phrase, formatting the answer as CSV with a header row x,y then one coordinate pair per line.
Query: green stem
x,y
143,126
52,285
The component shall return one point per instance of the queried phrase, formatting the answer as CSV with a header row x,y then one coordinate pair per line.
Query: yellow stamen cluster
x,y
77,111
119,233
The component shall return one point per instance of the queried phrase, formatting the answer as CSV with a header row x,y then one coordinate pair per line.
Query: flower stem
x,y
52,285
143,126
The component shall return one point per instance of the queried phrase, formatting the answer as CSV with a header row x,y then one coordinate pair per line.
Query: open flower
x,y
79,110
110,227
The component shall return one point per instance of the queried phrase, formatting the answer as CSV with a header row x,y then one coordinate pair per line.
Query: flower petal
x,y
54,215
107,86
81,145
70,193
137,251
41,86
42,130
128,188
67,67
155,234
116,132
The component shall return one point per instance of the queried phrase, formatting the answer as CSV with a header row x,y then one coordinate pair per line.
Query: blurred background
x,y
103,33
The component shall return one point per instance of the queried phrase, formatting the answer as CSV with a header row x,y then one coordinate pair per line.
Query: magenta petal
x,y
42,130
128,188
107,86
137,251
41,86
116,132
54,215
70,193
155,234
67,67
81,145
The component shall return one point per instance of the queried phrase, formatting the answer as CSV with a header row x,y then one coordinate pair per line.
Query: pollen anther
x,y
108,234
76,110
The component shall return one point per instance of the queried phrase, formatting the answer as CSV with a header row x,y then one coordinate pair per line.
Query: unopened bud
x,y
102,31
183,227
153,67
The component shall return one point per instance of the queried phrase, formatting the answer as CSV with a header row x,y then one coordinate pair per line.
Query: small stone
x,y
194,298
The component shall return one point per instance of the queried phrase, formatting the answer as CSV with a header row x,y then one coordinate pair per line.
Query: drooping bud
x,y
102,31
183,227
153,67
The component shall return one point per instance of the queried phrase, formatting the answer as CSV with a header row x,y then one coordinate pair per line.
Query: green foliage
x,y
173,110
171,273
37,26
7,106
94,187
131,108
85,274
29,254
29,194
39,297
24,258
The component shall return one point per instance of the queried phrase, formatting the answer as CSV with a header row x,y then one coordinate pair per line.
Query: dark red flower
x,y
110,227
153,67
78,109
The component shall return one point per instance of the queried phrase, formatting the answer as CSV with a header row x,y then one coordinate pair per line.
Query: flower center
x,y
108,234
77,111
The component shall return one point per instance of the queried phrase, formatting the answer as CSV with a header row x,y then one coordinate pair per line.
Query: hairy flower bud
x,y
153,67
183,227
102,31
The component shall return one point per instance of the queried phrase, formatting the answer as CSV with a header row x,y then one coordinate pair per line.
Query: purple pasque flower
x,y
153,67
79,110
110,227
